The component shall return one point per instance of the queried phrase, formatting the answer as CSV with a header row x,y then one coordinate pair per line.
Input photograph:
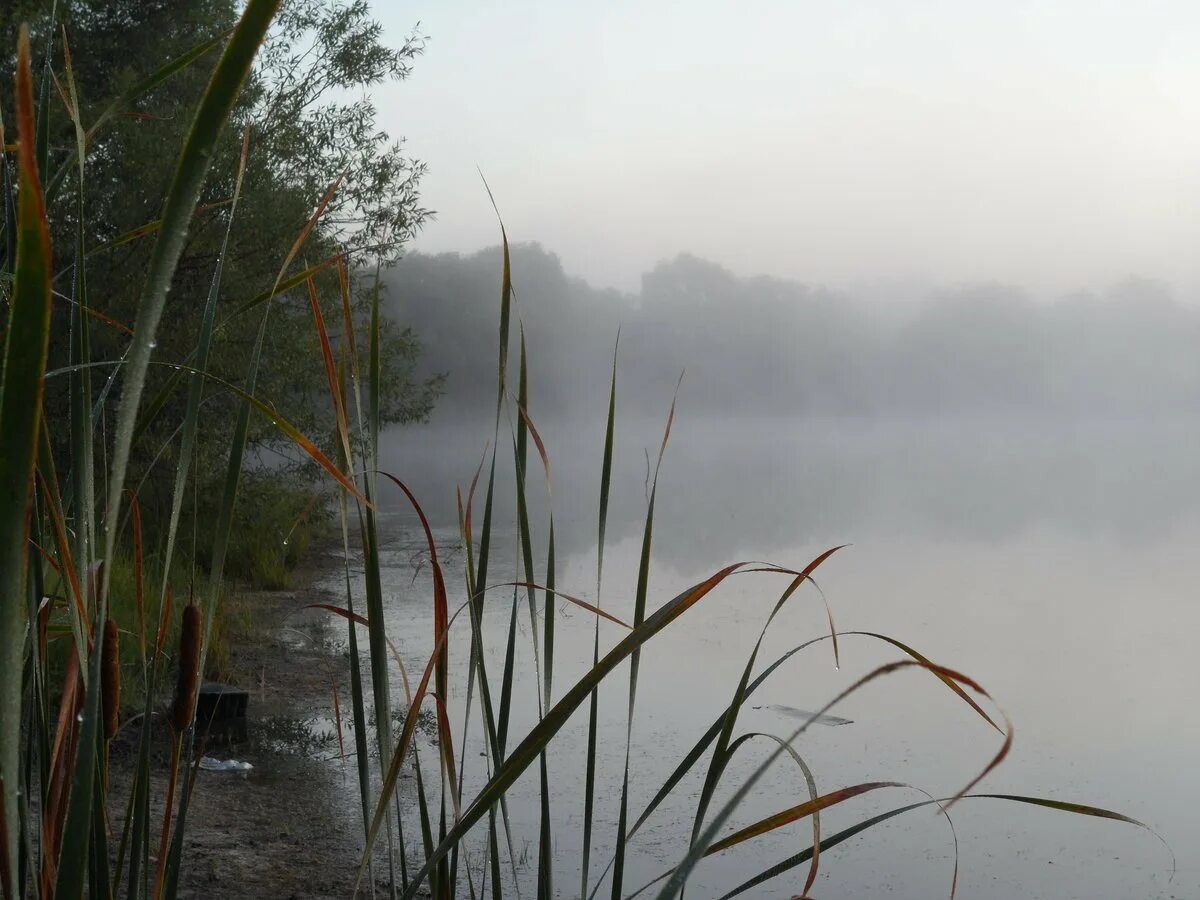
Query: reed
x,y
73,560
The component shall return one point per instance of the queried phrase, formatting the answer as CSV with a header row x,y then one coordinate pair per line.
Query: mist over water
x,y
938,300
1020,485
763,346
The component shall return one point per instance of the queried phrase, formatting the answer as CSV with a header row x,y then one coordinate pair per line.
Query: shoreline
x,y
291,826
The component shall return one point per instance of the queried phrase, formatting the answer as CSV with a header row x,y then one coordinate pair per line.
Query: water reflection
x,y
1053,561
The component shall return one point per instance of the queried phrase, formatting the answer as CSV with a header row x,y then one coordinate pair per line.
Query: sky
x,y
1054,145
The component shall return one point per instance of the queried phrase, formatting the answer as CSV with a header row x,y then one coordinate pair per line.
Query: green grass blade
x,y
830,842
523,755
811,784
639,613
209,121
21,386
506,291
589,789
195,389
356,687
714,729
721,754
80,390
842,836
76,838
8,189
696,851
546,836
506,682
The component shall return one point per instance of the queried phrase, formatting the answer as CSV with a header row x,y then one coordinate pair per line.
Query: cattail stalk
x,y
183,713
190,639
110,680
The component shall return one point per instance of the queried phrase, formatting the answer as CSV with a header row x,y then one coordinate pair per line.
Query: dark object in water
x,y
831,721
220,703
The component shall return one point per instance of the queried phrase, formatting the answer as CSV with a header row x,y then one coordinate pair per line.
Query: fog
x,y
930,270
765,346
1047,144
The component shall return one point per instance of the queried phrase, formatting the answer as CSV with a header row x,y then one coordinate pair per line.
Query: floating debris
x,y
831,721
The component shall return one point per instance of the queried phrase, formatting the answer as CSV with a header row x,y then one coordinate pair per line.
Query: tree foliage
x,y
311,122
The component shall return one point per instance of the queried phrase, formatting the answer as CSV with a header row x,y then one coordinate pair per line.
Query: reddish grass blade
x,y
795,813
802,857
23,382
335,387
582,604
441,627
541,447
678,875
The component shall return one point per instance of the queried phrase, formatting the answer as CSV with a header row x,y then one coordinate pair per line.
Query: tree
x,y
311,123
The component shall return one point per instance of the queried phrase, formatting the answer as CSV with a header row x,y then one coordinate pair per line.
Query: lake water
x,y
1056,563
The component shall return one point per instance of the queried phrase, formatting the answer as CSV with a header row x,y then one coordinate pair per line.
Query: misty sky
x,y
1052,144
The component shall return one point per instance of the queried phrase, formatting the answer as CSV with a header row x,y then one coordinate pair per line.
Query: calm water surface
x,y
1055,563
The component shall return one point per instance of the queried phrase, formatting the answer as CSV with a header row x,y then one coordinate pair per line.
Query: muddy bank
x,y
291,826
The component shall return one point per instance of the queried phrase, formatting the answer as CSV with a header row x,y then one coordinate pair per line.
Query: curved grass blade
x,y
441,627
707,837
710,735
800,811
156,405
720,756
290,431
810,783
1075,808
549,589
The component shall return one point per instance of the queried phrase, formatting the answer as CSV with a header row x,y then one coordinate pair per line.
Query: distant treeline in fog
x,y
764,345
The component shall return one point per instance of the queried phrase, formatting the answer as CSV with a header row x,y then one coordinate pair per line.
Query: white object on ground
x,y
224,765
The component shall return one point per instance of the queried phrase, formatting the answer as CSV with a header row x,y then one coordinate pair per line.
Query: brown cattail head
x,y
110,678
190,639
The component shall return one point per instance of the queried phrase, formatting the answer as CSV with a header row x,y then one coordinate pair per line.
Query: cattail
x,y
189,668
111,678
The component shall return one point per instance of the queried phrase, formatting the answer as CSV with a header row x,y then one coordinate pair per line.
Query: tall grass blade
x,y
76,839
209,121
589,789
80,391
639,612
195,392
21,386
523,755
